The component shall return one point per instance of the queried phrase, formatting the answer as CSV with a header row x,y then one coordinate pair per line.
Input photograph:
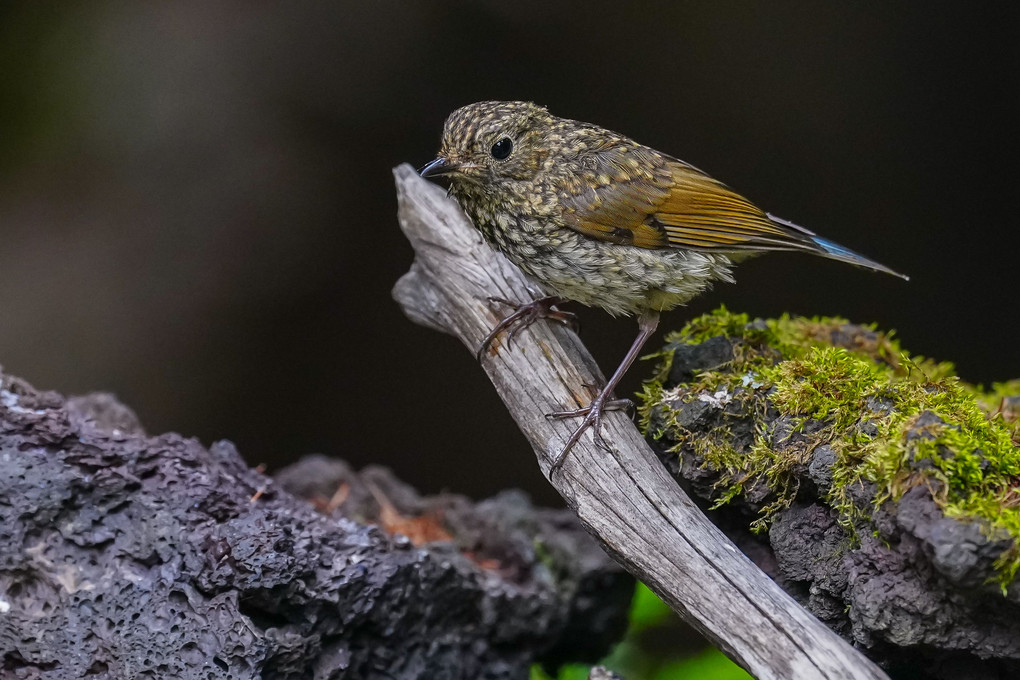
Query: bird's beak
x,y
440,166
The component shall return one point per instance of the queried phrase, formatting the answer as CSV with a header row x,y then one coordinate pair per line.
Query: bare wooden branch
x,y
624,497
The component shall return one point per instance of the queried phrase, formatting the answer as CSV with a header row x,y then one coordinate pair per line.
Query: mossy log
x,y
876,487
129,556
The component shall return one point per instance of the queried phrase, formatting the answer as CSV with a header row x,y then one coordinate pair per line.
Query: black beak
x,y
440,166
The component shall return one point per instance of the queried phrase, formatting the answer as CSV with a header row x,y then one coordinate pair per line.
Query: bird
x,y
593,217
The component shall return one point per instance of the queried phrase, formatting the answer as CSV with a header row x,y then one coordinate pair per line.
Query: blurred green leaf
x,y
572,671
646,610
632,661
709,665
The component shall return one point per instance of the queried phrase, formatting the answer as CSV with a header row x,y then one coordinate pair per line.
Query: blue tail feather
x,y
827,248
834,248
838,252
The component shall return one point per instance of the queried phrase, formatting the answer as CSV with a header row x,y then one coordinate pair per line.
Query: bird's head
x,y
489,142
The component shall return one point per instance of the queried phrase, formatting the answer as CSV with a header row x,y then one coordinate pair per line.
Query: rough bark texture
x,y
123,555
913,587
623,496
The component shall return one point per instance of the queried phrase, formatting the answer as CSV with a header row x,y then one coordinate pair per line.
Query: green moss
x,y
862,395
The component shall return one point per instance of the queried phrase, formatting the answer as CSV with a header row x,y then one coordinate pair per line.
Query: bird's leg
x,y
526,314
593,413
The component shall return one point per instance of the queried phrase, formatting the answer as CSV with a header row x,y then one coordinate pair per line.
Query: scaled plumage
x,y
597,218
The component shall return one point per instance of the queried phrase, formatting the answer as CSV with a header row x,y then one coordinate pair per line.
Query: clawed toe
x,y
523,316
593,416
611,405
568,319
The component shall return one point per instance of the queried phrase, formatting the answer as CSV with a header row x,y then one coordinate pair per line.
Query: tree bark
x,y
624,497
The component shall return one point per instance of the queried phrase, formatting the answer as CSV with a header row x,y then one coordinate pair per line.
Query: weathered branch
x,y
624,497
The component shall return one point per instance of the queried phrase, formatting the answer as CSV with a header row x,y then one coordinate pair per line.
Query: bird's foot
x,y
524,315
593,415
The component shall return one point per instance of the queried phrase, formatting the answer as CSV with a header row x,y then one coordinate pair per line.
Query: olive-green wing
x,y
634,195
611,195
630,194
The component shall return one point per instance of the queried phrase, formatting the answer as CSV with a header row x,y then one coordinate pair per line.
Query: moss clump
x,y
893,421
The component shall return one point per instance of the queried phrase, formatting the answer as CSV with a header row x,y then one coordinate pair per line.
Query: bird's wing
x,y
611,194
636,196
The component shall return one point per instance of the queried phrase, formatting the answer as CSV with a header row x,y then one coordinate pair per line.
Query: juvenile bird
x,y
597,218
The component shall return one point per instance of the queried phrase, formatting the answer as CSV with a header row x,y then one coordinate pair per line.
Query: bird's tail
x,y
838,252
834,251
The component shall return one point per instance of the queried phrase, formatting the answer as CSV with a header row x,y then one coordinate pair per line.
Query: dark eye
x,y
501,149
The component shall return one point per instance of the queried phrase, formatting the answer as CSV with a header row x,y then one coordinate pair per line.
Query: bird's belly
x,y
620,279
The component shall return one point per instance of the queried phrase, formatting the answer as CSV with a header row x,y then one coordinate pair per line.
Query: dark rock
x,y
783,433
962,553
756,493
959,551
154,557
879,406
868,428
694,414
925,426
106,413
688,360
912,588
819,470
809,546
916,512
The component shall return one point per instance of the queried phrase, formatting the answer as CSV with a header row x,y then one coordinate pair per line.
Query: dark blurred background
x,y
197,211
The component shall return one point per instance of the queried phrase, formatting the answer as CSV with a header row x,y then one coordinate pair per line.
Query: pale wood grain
x,y
624,497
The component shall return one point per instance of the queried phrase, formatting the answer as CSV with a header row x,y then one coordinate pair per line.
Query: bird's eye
x,y
501,149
